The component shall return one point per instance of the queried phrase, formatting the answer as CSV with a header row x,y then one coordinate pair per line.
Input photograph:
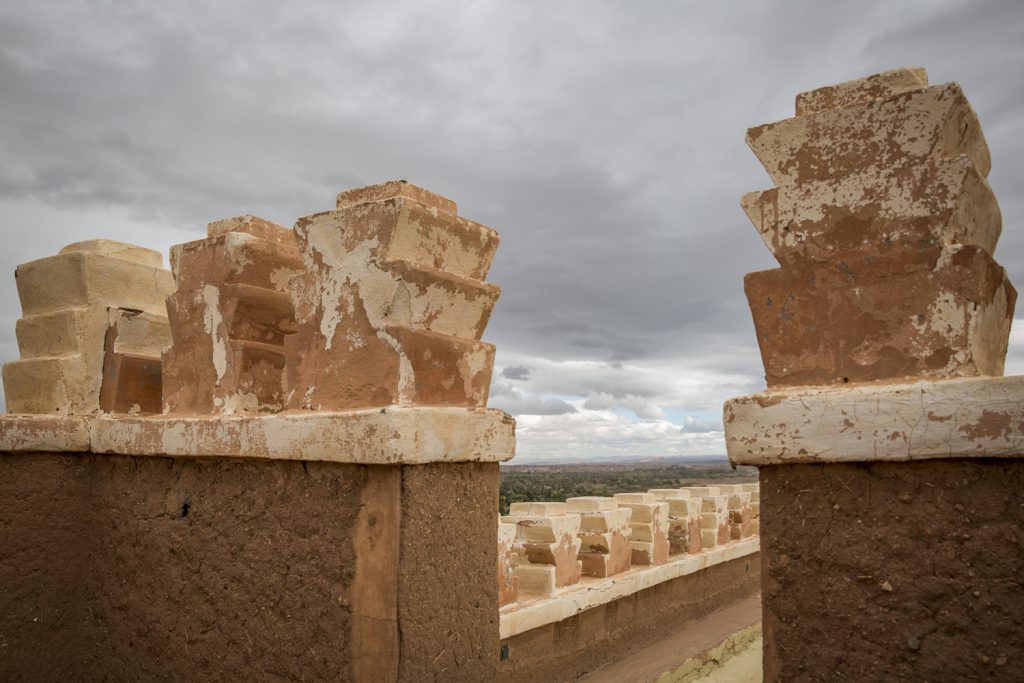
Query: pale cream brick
x,y
635,498
590,504
538,509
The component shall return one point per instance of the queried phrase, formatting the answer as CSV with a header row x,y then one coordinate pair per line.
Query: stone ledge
x,y
959,418
592,592
44,433
394,435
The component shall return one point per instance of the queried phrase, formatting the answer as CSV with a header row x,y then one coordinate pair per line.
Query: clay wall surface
x,y
893,571
567,649
164,569
447,594
152,568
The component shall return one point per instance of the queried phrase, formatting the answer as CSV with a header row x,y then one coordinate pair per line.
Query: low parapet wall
x,y
600,620
169,559
560,632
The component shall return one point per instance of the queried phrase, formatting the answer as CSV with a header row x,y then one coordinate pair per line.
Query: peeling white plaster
x,y
213,324
956,418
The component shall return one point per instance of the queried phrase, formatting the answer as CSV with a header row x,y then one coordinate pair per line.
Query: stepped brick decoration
x,y
132,370
892,495
548,544
684,513
508,580
714,515
649,527
755,506
92,331
229,317
884,225
605,535
741,516
392,304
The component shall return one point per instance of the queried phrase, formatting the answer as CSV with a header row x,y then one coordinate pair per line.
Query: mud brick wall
x,y
893,571
448,608
150,568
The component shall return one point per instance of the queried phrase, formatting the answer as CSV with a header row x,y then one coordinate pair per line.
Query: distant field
x,y
528,483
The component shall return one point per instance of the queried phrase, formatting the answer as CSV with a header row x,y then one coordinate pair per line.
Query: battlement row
x,y
381,301
545,547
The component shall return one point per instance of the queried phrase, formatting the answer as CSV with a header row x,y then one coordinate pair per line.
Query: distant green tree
x,y
560,484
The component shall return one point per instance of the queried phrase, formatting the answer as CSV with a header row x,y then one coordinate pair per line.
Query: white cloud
x,y
694,425
622,408
591,434
599,401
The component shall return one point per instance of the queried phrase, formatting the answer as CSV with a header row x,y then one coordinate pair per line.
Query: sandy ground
x,y
651,663
744,667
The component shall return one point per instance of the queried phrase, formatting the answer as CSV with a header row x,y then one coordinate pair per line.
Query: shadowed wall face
x,y
447,595
886,571
167,569
161,569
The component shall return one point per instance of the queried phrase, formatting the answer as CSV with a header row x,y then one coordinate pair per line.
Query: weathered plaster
x,y
394,286
957,418
861,90
44,433
373,437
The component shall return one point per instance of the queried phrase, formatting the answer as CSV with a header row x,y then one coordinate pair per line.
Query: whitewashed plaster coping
x,y
591,592
44,433
393,435
979,417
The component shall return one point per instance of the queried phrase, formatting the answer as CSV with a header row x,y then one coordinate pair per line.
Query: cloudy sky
x,y
604,140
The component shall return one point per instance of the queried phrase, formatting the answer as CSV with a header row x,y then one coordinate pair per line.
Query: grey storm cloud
x,y
510,399
516,372
532,405
604,140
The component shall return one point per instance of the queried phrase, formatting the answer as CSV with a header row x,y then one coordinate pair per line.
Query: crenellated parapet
x,y
886,421
558,547
631,592
229,318
649,527
684,517
740,514
92,329
884,225
714,515
605,534
547,543
380,302
392,303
